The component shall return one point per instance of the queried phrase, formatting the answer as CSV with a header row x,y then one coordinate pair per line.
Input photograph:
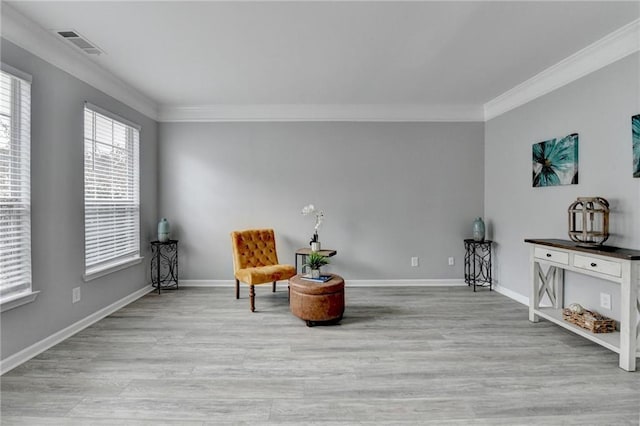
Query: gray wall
x,y
389,191
599,108
57,204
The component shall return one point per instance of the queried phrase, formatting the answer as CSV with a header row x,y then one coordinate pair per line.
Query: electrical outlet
x,y
75,295
451,261
414,261
605,301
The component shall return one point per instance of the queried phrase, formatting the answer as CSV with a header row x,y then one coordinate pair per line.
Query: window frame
x,y
25,293
122,260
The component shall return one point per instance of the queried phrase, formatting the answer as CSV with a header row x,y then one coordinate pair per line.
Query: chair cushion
x,y
265,274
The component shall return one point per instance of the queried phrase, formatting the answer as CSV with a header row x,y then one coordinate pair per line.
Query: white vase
x,y
315,246
315,273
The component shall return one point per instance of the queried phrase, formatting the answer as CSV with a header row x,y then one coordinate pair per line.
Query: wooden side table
x,y
304,252
164,264
477,263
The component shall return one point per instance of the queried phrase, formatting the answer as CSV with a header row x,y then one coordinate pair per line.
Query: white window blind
x,y
111,190
15,185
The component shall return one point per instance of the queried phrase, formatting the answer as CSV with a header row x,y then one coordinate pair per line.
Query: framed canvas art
x,y
635,133
555,162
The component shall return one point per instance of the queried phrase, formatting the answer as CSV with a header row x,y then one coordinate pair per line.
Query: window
x,y
15,186
111,192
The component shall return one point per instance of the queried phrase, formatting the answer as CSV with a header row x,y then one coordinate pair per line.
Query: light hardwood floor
x,y
409,355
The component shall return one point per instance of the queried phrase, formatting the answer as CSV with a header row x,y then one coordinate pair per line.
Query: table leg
x,y
474,258
629,305
158,265
489,268
534,280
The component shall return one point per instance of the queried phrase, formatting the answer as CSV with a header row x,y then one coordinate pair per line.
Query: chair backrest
x,y
253,247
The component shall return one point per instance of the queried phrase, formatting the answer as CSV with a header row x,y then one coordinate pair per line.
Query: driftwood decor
x,y
592,321
589,221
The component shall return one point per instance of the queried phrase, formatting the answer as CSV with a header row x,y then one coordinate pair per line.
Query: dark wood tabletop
x,y
325,253
601,250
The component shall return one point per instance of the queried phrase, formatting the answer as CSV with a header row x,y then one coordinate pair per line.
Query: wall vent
x,y
73,37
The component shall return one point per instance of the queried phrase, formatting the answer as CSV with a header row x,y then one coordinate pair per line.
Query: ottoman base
x,y
329,322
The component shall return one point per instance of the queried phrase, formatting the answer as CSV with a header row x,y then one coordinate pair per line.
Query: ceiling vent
x,y
73,37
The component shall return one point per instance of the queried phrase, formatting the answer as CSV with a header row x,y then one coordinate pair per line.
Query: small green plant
x,y
315,260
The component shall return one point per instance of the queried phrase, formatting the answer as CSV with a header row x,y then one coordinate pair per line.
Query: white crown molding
x,y
25,33
307,112
609,49
37,348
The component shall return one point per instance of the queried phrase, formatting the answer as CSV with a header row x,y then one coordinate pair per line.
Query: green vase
x,y
478,229
163,230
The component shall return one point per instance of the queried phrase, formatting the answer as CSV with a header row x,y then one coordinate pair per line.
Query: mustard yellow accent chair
x,y
255,261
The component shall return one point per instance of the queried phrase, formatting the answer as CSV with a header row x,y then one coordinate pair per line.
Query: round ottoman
x,y
315,302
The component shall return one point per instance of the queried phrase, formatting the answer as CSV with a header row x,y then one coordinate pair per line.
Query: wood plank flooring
x,y
412,355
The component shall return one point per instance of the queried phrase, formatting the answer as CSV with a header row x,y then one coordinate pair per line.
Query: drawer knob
x,y
548,254
593,264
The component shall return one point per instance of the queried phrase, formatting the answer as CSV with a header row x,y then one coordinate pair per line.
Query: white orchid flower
x,y
307,210
311,209
319,219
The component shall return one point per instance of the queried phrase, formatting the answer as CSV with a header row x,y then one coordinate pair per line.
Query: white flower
x,y
307,210
311,209
319,219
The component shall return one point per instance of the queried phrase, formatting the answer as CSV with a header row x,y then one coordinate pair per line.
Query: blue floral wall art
x,y
635,130
555,162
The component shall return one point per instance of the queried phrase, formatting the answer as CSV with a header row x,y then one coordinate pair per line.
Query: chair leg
x,y
273,288
252,298
237,289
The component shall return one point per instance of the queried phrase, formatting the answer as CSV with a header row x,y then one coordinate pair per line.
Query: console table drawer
x,y
552,255
597,265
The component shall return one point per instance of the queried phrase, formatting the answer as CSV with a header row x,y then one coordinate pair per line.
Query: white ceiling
x,y
335,53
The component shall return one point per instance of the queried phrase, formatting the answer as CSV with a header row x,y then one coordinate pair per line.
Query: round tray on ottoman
x,y
317,302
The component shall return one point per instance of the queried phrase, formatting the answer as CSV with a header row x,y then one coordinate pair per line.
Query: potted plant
x,y
314,261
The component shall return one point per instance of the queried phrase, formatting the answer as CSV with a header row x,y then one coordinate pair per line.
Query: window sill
x,y
103,270
19,300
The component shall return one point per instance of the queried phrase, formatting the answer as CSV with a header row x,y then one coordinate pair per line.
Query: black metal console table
x,y
477,263
164,264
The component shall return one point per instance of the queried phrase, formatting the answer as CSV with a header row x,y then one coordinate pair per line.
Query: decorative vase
x,y
315,273
478,229
315,246
163,230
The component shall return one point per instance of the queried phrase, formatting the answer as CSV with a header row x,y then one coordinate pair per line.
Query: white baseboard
x,y
406,283
350,283
37,348
511,294
207,283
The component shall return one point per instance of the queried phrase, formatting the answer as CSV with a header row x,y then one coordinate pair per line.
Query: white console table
x,y
615,264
